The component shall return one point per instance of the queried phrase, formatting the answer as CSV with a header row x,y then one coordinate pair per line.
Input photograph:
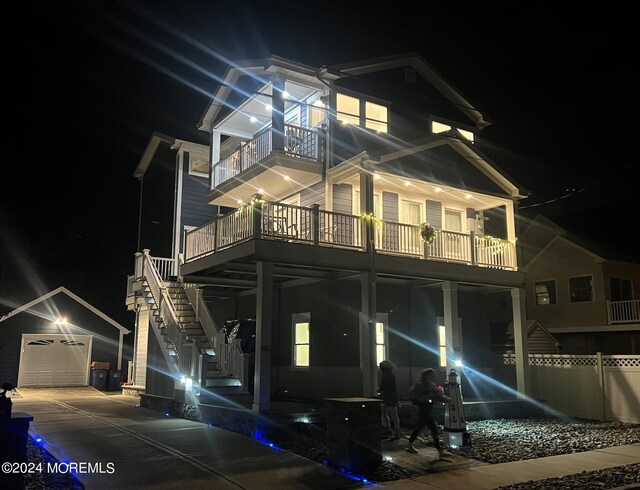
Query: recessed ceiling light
x,y
268,107
468,196
239,201
261,191
286,177
438,189
253,119
376,176
407,183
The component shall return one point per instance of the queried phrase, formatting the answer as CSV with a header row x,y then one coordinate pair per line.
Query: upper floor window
x,y
199,167
621,289
317,114
580,289
350,110
382,344
438,127
546,293
376,117
452,220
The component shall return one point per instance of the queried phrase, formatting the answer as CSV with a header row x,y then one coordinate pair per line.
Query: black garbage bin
x,y
100,379
115,380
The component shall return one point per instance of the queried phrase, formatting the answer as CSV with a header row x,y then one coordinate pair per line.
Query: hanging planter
x,y
427,232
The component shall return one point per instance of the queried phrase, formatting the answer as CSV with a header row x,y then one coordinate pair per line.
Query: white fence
x,y
587,386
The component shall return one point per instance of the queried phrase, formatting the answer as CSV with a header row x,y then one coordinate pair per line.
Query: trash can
x,y
100,379
115,380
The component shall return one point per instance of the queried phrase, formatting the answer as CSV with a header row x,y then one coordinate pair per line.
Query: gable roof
x,y
563,238
266,67
465,149
73,296
428,72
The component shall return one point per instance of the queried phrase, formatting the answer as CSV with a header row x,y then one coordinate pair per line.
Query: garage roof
x,y
73,296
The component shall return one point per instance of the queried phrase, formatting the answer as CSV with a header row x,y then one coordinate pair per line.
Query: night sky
x,y
90,81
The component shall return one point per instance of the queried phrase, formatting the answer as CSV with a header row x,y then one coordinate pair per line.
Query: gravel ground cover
x,y
45,480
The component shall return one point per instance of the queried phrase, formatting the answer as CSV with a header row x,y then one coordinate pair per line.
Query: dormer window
x,y
438,127
350,110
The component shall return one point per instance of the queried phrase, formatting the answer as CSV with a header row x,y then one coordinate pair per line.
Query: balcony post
x,y
214,156
366,204
472,238
216,221
277,114
256,211
315,224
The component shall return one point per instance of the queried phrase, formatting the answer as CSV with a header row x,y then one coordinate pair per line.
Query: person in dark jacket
x,y
389,395
423,394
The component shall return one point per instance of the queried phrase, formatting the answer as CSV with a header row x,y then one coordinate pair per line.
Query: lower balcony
x,y
319,228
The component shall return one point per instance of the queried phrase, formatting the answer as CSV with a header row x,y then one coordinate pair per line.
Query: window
x,y
380,342
580,289
410,213
438,127
442,344
376,117
377,209
381,337
452,220
199,167
301,338
621,289
316,114
545,293
348,109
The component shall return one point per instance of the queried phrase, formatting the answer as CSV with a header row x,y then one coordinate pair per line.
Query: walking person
x,y
423,394
389,395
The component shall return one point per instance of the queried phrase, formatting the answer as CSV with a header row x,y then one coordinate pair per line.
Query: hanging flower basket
x,y
427,232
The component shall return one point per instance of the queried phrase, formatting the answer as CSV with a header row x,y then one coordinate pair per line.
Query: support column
x,y
367,334
214,154
277,114
366,205
518,297
450,302
264,302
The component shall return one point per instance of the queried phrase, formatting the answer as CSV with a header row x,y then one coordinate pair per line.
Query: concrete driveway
x,y
145,449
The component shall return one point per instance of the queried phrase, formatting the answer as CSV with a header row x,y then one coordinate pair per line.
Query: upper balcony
x,y
256,165
275,141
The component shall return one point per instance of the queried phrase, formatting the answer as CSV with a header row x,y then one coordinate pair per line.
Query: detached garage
x,y
52,340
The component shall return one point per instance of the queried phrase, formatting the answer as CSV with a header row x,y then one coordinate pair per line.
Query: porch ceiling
x,y
420,190
238,122
276,177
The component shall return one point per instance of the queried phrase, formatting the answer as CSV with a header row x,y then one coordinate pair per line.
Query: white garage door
x,y
54,360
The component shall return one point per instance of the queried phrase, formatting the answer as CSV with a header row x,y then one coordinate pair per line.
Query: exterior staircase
x,y
187,349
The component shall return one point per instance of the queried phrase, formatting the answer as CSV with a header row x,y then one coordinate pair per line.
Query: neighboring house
x,y
325,177
584,298
52,340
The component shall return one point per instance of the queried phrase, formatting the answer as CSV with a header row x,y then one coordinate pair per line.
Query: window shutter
x,y
434,213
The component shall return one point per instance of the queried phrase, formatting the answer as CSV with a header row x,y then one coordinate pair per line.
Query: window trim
x,y
384,319
535,294
403,203
362,108
593,289
295,319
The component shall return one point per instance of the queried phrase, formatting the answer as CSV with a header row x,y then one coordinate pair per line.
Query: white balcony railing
x,y
623,311
298,142
276,221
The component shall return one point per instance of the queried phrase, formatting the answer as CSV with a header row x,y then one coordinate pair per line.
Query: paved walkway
x,y
149,450
479,476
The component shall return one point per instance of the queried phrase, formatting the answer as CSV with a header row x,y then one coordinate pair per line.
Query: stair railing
x,y
203,315
168,315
